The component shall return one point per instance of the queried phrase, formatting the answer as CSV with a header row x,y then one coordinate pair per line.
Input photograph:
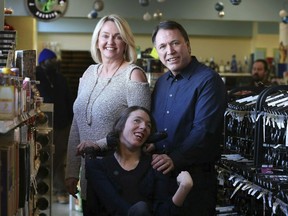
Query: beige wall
x,y
220,48
26,32
203,47
64,41
268,42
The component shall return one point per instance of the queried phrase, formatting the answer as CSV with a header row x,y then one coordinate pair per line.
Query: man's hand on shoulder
x,y
162,163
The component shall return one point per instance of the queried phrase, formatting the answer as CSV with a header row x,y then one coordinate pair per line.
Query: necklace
x,y
89,117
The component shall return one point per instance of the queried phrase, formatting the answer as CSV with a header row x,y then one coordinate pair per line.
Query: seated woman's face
x,y
137,129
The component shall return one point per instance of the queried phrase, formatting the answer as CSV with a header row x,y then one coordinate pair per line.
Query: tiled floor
x,y
65,209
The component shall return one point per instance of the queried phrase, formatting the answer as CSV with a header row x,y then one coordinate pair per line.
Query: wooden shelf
x,y
7,125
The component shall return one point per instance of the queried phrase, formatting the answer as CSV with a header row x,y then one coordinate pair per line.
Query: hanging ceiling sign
x,y
47,10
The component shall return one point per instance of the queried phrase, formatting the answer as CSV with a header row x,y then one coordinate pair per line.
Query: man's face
x,y
173,50
258,71
51,65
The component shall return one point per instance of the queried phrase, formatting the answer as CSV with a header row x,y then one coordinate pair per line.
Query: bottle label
x,y
7,102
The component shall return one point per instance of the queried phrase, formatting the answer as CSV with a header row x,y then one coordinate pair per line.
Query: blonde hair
x,y
125,32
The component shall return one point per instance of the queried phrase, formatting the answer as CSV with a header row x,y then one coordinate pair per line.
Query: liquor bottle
x,y
227,66
233,65
221,67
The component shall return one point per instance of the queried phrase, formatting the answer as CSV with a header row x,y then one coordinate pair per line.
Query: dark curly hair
x,y
113,136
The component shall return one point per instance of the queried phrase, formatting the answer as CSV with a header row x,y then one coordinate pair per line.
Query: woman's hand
x,y
162,163
184,179
185,183
81,147
71,186
149,148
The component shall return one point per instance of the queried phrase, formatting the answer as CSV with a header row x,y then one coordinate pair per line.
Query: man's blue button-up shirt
x,y
190,108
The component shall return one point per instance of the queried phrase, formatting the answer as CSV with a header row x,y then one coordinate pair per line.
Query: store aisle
x,y
64,210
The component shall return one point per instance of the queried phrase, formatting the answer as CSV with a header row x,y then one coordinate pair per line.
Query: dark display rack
x,y
253,170
43,184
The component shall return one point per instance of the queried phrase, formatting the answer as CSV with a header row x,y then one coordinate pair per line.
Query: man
x,y
188,102
54,89
256,83
260,73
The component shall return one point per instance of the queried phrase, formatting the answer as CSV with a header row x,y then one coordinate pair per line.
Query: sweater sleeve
x,y
73,162
102,143
138,93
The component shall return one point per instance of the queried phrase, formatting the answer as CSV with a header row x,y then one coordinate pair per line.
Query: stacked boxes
x,y
7,41
26,62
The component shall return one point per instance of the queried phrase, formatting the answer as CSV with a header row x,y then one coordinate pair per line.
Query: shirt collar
x,y
186,72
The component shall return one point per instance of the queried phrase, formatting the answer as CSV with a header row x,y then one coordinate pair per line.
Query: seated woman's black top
x,y
111,190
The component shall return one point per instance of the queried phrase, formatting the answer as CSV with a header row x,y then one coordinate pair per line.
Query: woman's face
x,y
137,129
110,42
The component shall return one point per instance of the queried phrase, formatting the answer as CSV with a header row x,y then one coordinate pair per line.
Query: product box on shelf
x,y
7,102
8,93
26,62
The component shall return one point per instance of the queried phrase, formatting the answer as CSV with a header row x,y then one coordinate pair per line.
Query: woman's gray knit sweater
x,y
102,110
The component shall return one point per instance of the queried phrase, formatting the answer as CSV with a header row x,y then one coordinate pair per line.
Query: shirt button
x,y
116,172
165,129
167,111
170,95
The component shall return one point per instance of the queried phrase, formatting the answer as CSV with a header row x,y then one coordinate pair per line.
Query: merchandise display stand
x,y
26,152
253,170
26,135
44,176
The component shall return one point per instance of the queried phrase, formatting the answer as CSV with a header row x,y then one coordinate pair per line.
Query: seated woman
x,y
124,183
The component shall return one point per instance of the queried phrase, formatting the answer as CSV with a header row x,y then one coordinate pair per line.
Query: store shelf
x,y
229,74
7,125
